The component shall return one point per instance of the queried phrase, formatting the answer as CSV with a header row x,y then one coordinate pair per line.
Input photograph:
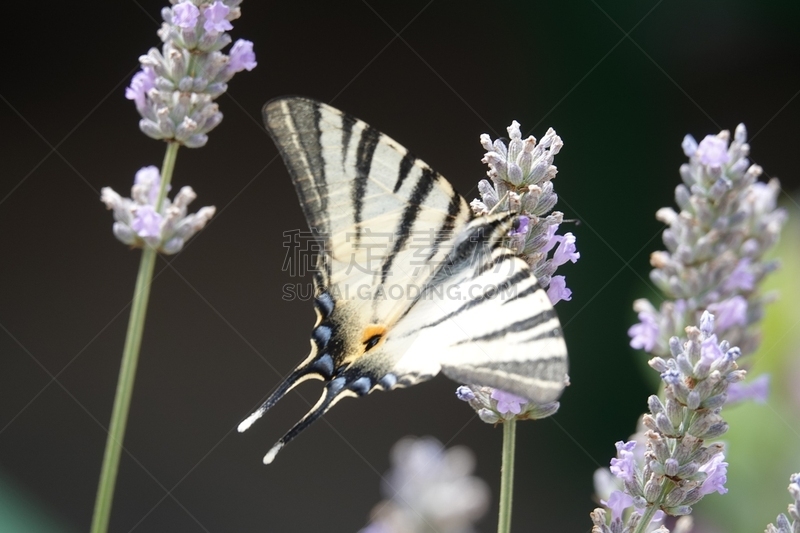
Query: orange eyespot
x,y
372,336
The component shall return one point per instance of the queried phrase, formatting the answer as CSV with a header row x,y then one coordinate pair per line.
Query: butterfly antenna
x,y
331,395
299,375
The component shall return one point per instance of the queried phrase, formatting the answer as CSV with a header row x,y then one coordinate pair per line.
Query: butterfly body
x,y
392,312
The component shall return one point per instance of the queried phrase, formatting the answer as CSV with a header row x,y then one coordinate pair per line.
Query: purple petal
x,y
242,56
150,177
146,222
730,312
717,471
709,350
756,390
566,250
645,334
215,18
184,15
558,290
507,402
624,465
618,502
141,83
713,151
552,240
741,278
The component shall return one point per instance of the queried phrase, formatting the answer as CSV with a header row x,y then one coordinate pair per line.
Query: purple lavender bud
x,y
215,18
675,346
707,323
149,178
184,15
671,377
674,497
658,364
652,489
645,334
664,424
671,467
717,471
464,393
713,151
558,290
507,402
689,145
655,405
488,416
242,56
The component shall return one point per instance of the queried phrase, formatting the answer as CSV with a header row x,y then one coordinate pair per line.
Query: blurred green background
x,y
622,82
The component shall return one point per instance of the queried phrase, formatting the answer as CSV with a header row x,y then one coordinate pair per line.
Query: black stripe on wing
x,y
487,295
405,167
526,292
421,191
364,154
446,230
545,368
514,327
481,240
348,121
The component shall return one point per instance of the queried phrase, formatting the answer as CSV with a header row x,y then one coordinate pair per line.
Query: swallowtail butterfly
x,y
467,306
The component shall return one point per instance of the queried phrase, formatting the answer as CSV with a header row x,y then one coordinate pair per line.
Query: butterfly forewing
x,y
410,284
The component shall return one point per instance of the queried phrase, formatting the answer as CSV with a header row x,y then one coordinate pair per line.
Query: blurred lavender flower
x,y
138,224
716,245
429,489
784,525
521,182
494,405
674,468
175,89
756,390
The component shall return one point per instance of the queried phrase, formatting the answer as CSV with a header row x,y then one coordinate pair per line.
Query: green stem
x,y
127,371
507,476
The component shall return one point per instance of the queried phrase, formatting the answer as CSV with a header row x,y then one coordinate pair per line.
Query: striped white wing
x,y
386,215
392,312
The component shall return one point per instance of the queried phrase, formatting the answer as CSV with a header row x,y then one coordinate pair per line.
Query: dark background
x,y
621,82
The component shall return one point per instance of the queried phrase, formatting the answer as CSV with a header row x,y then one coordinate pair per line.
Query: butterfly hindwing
x,y
410,284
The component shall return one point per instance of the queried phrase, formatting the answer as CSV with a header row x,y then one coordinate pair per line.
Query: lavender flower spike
x,y
716,246
176,88
522,174
138,224
667,466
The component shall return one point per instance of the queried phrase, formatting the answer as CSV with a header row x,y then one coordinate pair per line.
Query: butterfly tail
x,y
334,391
307,370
